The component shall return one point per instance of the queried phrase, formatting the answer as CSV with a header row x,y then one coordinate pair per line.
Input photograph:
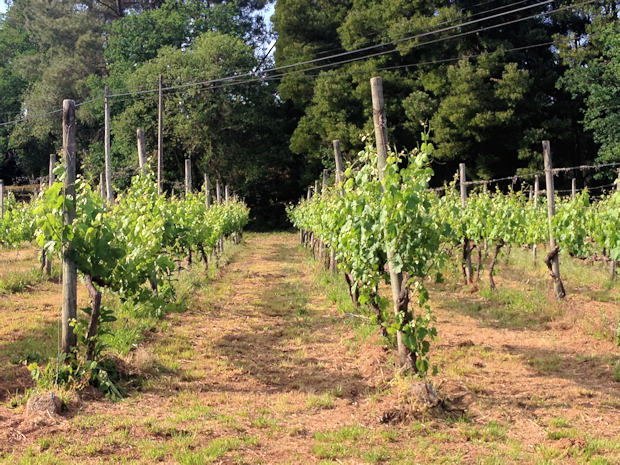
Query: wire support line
x,y
351,60
516,177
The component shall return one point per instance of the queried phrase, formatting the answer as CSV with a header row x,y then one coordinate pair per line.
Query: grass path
x,y
263,368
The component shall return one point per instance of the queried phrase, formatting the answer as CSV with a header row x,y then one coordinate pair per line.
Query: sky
x,y
2,6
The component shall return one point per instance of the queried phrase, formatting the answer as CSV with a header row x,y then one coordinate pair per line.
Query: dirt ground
x,y
264,368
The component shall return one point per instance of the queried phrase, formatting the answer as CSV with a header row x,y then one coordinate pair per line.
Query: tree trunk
x,y
354,294
406,357
374,304
479,264
560,292
203,254
95,297
467,268
498,247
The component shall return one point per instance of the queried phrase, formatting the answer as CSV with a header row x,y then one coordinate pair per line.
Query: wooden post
x,y
226,193
309,194
618,181
160,139
51,179
462,184
338,177
1,198
536,191
552,260
218,192
69,271
46,263
400,300
573,189
106,146
316,187
188,176
141,150
325,181
102,185
338,159
323,251
207,191
467,267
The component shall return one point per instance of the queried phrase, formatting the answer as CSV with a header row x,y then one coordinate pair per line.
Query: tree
x,y
229,131
593,60
489,97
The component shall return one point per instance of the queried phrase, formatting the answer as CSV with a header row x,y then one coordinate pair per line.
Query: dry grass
x,y
264,368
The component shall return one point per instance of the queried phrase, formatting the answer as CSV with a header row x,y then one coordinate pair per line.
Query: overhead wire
x,y
351,60
394,42
233,78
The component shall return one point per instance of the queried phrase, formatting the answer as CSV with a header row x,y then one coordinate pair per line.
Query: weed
x,y
322,401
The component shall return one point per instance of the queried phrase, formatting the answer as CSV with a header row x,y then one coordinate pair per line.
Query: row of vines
x,y
424,228
130,249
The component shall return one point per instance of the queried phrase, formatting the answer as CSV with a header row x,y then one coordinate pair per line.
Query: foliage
x,y
17,224
130,248
360,222
487,103
593,59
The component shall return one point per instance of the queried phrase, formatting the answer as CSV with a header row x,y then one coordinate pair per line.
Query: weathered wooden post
x,y
1,198
536,192
226,193
69,271
218,192
141,150
400,298
338,160
467,268
51,178
323,251
106,146
207,191
46,263
188,176
102,185
553,259
573,189
160,138
338,178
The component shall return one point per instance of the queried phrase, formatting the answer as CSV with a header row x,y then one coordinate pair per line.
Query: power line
x,y
243,74
232,78
441,23
395,42
351,60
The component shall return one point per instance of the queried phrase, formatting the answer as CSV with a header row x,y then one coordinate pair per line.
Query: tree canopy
x,y
487,80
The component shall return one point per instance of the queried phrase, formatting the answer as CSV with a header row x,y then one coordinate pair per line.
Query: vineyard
x,y
230,246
